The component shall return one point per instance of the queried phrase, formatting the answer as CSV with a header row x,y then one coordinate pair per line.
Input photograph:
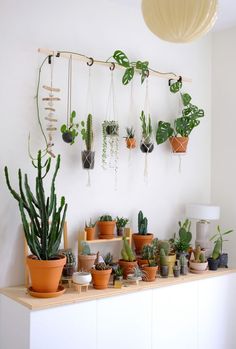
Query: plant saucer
x,y
194,271
59,292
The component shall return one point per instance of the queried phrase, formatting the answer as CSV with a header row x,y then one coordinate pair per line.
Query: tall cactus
x,y
126,253
87,132
36,211
142,224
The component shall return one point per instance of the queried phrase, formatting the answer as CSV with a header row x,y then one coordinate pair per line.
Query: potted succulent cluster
x,y
178,133
148,262
130,138
43,238
198,262
90,230
106,227
147,145
121,223
70,131
128,260
142,237
182,243
218,258
69,267
100,275
86,259
88,155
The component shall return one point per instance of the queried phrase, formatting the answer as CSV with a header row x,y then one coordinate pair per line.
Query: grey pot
x,y
164,271
88,159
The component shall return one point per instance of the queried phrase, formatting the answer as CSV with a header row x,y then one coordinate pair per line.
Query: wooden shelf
x,y
103,240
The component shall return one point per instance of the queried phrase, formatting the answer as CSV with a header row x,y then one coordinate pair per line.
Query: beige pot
x,y
170,261
198,266
86,262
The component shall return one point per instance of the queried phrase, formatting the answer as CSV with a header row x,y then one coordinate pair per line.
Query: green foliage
x,y
119,271
218,240
164,245
183,261
105,218
182,244
72,128
37,210
126,253
146,127
130,132
121,222
202,257
108,259
148,252
121,58
85,249
137,273
87,132
90,224
70,257
163,255
142,224
199,256
102,266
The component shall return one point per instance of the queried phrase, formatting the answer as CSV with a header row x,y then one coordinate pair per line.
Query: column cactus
x,y
142,224
87,132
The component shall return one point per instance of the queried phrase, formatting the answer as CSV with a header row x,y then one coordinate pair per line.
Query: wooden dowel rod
x,y
83,58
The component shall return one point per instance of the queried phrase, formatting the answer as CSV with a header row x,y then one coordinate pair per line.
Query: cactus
x,y
126,252
70,258
102,266
182,244
85,249
148,252
216,250
165,245
142,224
162,257
197,253
108,259
105,218
87,132
42,238
202,258
183,261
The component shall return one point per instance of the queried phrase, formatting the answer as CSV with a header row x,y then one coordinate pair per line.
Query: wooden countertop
x,y
19,293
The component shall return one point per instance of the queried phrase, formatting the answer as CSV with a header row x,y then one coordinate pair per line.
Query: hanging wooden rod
x,y
90,61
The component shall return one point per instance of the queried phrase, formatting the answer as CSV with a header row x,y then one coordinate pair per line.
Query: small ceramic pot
x,y
81,277
147,147
130,143
198,266
67,137
184,270
223,262
176,272
213,263
88,159
164,271
179,144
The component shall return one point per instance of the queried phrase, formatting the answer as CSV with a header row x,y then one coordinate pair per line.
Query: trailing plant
x,y
106,218
182,243
218,240
121,222
87,132
127,253
37,210
142,224
102,266
90,224
110,136
146,127
130,67
70,132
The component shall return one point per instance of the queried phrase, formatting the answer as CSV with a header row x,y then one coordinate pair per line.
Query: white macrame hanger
x,y
147,112
180,107
131,115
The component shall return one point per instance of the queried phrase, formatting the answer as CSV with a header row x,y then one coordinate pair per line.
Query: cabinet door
x,y
174,317
217,312
124,321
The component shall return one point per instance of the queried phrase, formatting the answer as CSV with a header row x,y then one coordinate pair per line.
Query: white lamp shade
x,y
203,212
179,20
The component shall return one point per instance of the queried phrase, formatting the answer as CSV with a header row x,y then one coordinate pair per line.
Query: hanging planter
x,y
146,145
88,156
179,144
130,139
110,134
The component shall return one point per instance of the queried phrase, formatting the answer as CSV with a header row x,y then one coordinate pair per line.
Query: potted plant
x,y
86,259
118,277
120,225
69,267
150,270
218,240
128,260
142,237
176,269
70,132
197,262
110,137
168,256
106,226
164,267
136,275
90,230
100,275
45,264
130,139
183,242
183,265
88,155
179,132
147,145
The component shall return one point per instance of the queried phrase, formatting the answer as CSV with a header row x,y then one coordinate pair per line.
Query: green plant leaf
x,y
164,131
176,86
186,98
82,123
144,74
63,128
121,58
139,65
73,114
128,75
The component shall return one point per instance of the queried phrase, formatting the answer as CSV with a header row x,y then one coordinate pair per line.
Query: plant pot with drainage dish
x,y
70,131
146,145
88,155
130,138
219,239
86,259
100,275
121,223
128,259
142,237
45,264
106,227
90,230
197,262
178,132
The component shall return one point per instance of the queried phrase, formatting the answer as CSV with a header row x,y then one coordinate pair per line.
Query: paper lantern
x,y
179,20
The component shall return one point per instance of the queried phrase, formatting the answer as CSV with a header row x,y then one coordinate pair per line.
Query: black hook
x,y
58,54
90,63
112,66
49,59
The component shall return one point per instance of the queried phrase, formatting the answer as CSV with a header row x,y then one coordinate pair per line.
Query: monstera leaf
x,y
176,86
164,131
128,75
185,125
186,99
121,58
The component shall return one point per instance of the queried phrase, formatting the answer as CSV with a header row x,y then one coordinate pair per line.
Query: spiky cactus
x,y
163,257
126,253
43,238
102,266
165,245
142,224
87,132
183,261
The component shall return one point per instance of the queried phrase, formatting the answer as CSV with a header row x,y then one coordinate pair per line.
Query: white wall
x,y
97,28
223,131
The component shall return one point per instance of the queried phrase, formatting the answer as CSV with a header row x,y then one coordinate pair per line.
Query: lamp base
x,y
202,236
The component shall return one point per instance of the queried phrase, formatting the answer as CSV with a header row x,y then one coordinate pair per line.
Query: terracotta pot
x,y
127,267
45,275
100,278
141,240
86,262
106,229
150,273
179,144
130,143
142,262
90,233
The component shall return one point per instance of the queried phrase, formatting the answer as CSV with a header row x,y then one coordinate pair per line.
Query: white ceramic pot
x,y
81,277
198,266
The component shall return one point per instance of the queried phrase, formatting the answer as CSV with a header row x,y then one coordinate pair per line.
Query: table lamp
x,y
205,214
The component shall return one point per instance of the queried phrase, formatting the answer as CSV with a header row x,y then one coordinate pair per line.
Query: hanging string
x,y
89,98
111,100
69,86
88,179
145,173
180,163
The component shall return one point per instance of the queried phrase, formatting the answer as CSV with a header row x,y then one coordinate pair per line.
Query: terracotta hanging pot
x,y
127,267
130,143
179,144
86,262
90,233
106,229
100,278
149,273
45,274
141,240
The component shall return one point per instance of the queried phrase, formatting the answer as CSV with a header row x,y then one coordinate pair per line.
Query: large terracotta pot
x,y
130,143
86,262
106,229
101,278
90,233
45,275
150,273
141,240
127,267
179,144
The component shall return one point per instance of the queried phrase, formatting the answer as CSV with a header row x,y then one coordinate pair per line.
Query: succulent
x,y
85,248
42,238
90,224
70,132
148,252
146,127
162,257
119,271
121,222
182,244
197,253
126,253
130,132
108,259
142,224
137,273
105,218
102,266
218,239
165,245
87,132
202,258
70,257
183,261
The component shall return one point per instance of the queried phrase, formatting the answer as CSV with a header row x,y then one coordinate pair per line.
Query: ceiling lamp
x,y
179,20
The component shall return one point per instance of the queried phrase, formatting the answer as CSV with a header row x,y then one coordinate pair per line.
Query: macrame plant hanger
x,y
179,154
110,131
88,155
130,136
